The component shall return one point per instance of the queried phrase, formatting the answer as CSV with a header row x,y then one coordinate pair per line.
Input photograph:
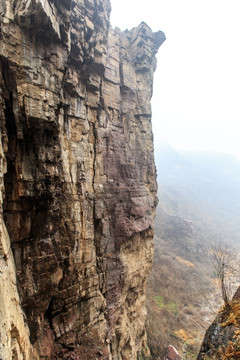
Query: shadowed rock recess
x,y
77,181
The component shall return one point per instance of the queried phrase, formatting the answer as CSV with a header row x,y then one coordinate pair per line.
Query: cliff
x,y
77,181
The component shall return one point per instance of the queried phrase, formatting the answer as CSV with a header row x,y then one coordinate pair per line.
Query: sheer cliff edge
x,y
77,181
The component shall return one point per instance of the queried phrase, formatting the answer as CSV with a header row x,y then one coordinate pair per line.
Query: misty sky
x,y
196,102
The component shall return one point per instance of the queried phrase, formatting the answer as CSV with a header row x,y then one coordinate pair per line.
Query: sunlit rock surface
x,y
77,181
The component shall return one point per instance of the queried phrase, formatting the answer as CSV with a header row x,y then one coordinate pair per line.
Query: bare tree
x,y
227,267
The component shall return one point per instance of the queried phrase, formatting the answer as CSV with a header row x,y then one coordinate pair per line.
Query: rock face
x,y
222,339
77,181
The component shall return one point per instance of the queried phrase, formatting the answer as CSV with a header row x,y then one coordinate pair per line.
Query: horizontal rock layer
x,y
77,180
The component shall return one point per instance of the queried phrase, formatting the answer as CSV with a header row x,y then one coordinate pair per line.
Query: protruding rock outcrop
x,y
77,180
222,339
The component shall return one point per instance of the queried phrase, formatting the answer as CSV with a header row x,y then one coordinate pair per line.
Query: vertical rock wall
x,y
77,180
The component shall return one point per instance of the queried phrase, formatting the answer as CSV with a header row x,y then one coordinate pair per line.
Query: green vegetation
x,y
159,300
167,304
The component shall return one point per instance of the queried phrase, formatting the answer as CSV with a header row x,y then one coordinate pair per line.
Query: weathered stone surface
x,y
222,338
172,353
78,182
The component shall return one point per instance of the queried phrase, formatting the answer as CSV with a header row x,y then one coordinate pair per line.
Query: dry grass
x,y
185,262
233,312
186,337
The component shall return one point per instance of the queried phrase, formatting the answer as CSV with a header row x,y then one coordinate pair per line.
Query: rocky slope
x,y
77,181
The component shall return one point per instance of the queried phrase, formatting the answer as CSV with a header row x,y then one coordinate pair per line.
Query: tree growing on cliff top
x,y
225,261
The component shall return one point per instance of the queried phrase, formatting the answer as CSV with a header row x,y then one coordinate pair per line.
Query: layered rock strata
x,y
77,181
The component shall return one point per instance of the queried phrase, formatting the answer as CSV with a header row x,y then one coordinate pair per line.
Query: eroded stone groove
x,y
78,182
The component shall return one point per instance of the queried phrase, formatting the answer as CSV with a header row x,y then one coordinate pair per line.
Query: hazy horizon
x,y
161,144
197,83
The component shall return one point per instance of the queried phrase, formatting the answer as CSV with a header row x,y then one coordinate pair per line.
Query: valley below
x,y
193,215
